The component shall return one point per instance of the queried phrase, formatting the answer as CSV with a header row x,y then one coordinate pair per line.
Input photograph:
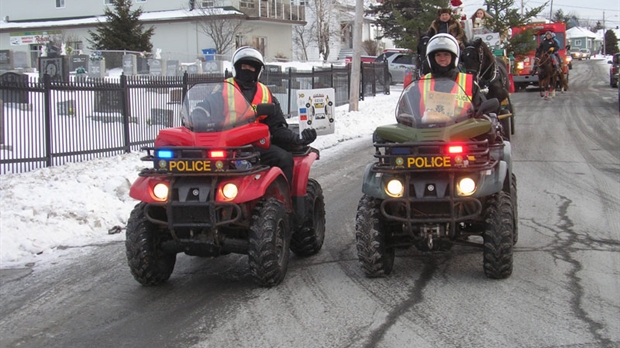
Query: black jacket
x,y
281,135
545,45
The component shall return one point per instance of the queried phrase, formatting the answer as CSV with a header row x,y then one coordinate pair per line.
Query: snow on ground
x,y
52,213
49,213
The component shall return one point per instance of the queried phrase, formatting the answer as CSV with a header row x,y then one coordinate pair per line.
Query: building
x,y
339,17
583,38
26,25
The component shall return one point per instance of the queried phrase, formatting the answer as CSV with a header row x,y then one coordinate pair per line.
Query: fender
x,y
254,133
142,189
267,183
301,173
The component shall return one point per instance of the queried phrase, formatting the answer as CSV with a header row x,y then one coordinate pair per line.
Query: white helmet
x,y
248,55
443,42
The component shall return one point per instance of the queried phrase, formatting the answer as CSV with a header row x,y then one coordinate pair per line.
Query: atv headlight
x,y
160,191
230,191
394,188
466,186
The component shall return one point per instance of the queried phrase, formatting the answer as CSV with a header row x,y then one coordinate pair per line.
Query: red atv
x,y
207,194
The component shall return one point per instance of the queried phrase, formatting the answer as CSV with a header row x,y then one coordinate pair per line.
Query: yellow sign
x,y
429,162
190,166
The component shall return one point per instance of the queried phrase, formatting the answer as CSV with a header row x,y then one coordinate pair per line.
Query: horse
x,y
423,67
547,75
490,72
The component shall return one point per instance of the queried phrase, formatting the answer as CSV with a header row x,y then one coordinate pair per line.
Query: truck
x,y
524,63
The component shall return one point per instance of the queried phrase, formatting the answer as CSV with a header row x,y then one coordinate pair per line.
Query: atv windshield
x,y
433,102
216,106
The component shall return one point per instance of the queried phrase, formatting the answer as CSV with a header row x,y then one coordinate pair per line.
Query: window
x,y
60,3
75,45
205,4
238,41
577,42
107,2
260,43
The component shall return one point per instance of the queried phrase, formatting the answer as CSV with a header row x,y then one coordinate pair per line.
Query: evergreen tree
x,y
506,15
559,16
122,30
611,42
404,21
598,27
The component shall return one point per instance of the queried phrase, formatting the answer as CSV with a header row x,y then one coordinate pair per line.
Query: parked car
x,y
398,64
585,53
365,59
575,53
614,69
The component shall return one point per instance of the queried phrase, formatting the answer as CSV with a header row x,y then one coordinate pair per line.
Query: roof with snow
x,y
600,34
146,16
579,32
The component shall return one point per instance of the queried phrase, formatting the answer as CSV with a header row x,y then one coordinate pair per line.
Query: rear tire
x,y
498,236
308,240
269,239
376,259
148,263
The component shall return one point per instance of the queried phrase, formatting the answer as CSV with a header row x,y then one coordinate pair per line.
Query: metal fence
x,y
48,123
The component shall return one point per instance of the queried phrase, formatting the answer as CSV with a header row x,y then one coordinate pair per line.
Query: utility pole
x,y
356,63
604,46
551,11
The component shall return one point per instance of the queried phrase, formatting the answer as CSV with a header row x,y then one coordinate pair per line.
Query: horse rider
x,y
550,44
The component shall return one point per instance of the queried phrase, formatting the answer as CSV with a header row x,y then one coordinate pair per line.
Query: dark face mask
x,y
246,78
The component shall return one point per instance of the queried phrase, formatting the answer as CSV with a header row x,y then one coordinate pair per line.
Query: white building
x,y
27,24
341,17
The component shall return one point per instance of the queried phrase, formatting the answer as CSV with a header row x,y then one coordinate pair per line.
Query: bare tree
x,y
303,37
326,15
221,27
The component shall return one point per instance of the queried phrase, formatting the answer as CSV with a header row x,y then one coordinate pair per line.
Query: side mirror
x,y
487,106
266,109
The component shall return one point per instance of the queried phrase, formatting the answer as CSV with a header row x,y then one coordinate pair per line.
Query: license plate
x,y
189,166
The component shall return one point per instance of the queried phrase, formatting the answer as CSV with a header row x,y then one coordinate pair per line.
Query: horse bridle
x,y
481,59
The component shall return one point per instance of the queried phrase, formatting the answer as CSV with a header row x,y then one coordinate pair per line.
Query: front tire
x,y
375,257
308,240
148,263
498,236
515,207
269,239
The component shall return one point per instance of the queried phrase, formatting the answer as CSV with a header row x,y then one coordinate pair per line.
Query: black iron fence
x,y
47,123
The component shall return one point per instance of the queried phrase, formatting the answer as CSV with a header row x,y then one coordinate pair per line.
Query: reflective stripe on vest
x,y
464,89
238,107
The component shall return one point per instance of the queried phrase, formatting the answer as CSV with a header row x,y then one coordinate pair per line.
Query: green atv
x,y
441,178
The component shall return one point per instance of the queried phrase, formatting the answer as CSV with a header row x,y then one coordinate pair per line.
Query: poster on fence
x,y
317,110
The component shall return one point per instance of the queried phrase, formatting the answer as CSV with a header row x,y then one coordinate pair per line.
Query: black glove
x,y
308,135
